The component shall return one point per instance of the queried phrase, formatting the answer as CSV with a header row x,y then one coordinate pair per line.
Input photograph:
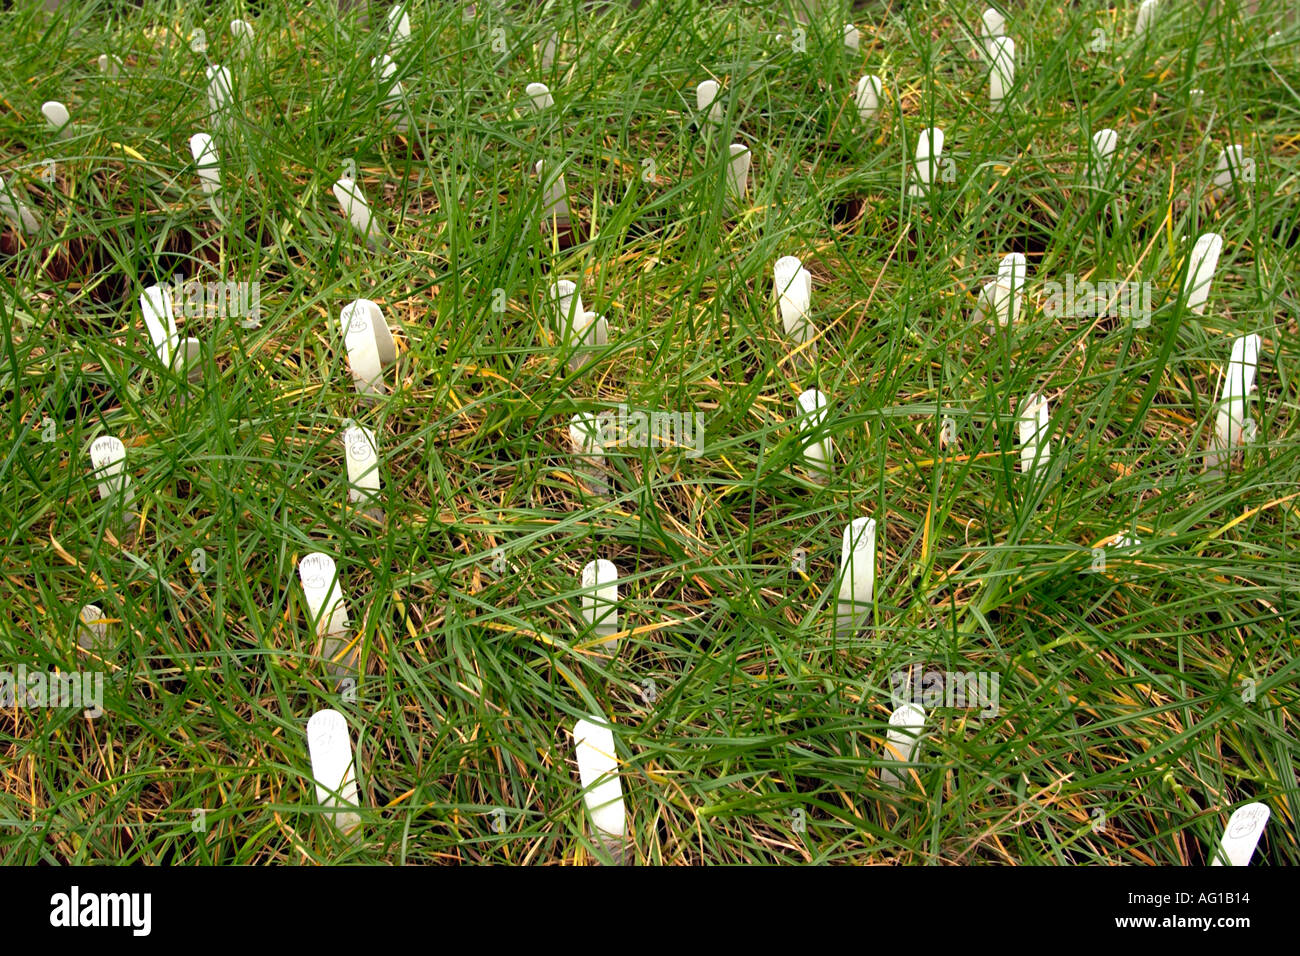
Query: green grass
x,y
1121,693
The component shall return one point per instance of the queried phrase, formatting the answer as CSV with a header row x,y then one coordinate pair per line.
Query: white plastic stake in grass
x,y
1146,19
869,96
330,744
906,724
15,210
540,96
56,115
1035,447
394,98
586,438
369,345
929,153
220,93
549,49
199,41
354,205
207,161
242,31
738,170
1002,75
567,302
555,199
110,64
1200,270
1104,142
160,320
399,26
93,629
363,464
577,328
600,599
328,612
1230,167
108,468
813,410
852,39
1233,427
793,286
709,101
1245,827
857,572
173,352
992,25
602,789
1008,290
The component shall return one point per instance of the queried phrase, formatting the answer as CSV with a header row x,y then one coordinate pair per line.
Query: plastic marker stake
x,y
738,170
1104,142
1146,19
555,201
156,307
206,159
567,302
602,789
355,207
578,329
1230,167
399,26
586,438
330,744
1200,270
56,115
1232,426
93,628
993,25
220,93
600,600
329,615
242,31
857,572
905,727
369,345
395,98
174,353
929,152
1035,448
14,209
1245,827
852,39
869,96
108,469
110,64
1003,73
708,102
819,453
363,465
1008,290
793,286
549,50
540,96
